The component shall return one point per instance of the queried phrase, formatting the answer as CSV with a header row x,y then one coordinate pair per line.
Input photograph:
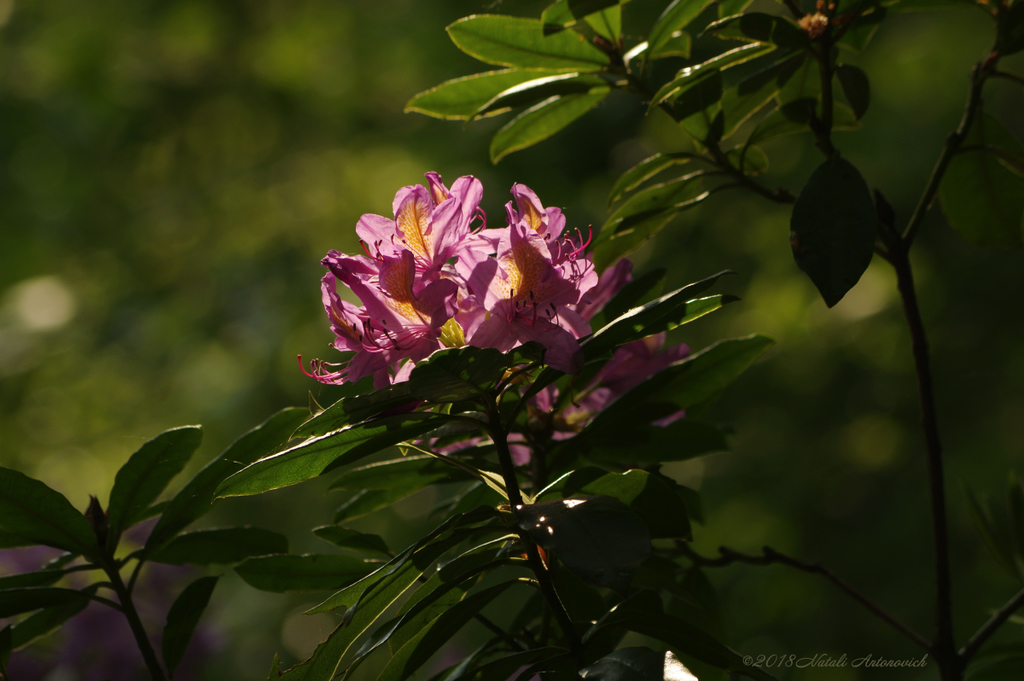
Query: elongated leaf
x,y
16,601
643,171
419,649
638,664
677,46
675,17
647,445
196,497
765,28
543,120
521,43
598,538
566,13
182,619
368,501
607,23
411,472
45,621
690,75
994,534
309,572
650,497
220,546
833,228
32,513
353,539
533,91
145,475
37,578
504,667
750,94
980,197
654,199
463,98
642,228
316,455
855,86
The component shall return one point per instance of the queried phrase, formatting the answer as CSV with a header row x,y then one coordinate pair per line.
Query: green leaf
x,y
533,91
678,45
650,497
675,17
145,475
16,601
319,454
521,43
543,120
994,534
863,30
196,497
45,621
182,619
855,86
220,546
698,107
421,647
463,98
598,538
1011,31
678,441
833,228
505,667
32,513
980,198
765,28
641,290
638,664
353,540
607,23
309,572
749,95
1002,662
751,160
652,200
801,82
38,578
690,76
727,8
566,13
368,501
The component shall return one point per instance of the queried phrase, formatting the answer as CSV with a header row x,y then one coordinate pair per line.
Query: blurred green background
x,y
172,172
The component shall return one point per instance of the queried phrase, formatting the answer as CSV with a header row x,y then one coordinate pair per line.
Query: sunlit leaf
x,y
566,13
521,43
32,513
765,28
691,74
353,540
463,98
675,17
543,120
833,228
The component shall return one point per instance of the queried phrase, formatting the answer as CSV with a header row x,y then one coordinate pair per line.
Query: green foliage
x,y
32,513
182,619
638,664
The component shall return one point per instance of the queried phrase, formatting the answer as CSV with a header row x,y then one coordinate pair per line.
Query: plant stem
x,y
128,607
500,437
823,128
770,556
990,627
944,649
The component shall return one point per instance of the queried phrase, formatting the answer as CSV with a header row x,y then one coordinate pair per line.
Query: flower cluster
x,y
435,276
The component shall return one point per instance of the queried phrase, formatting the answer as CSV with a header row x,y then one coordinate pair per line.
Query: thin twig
x,y
130,614
769,556
990,627
1007,76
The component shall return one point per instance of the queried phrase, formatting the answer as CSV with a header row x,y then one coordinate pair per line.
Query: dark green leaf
x,y
727,8
1015,508
863,30
462,98
681,440
753,160
32,513
599,538
1011,31
310,572
220,546
901,6
533,91
638,664
688,76
196,497
654,199
855,86
543,120
43,622
765,28
675,17
505,667
833,228
16,601
1002,662
750,94
421,647
145,475
607,23
566,13
980,197
521,43
650,497
641,290
319,454
698,107
182,619
368,501
353,540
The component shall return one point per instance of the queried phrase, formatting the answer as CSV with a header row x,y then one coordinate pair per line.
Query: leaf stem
x,y
990,627
132,615
770,556
500,437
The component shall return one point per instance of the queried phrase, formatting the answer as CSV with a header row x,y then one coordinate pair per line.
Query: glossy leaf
x,y
652,200
319,454
309,572
727,8
420,648
641,290
691,74
521,43
801,82
642,228
1011,31
182,619
645,170
145,475
543,120
675,17
833,228
650,497
44,577
698,107
533,91
980,197
16,601
196,497
220,546
353,540
855,86
638,664
765,28
607,23
32,513
598,538
676,46
749,95
566,13
995,533
463,98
